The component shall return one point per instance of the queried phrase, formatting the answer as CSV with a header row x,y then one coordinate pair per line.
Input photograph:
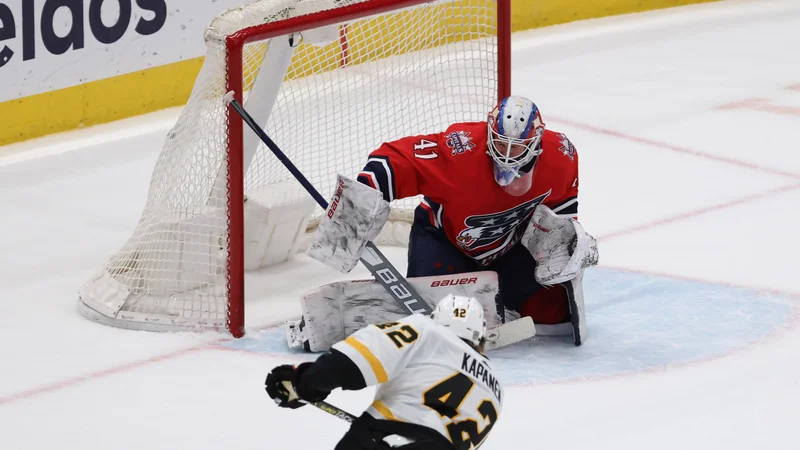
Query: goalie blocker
x,y
355,216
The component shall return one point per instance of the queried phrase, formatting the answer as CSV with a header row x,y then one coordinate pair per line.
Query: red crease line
x,y
696,212
677,149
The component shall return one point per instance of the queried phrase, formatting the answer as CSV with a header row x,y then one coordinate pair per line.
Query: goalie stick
x,y
509,333
372,258
378,265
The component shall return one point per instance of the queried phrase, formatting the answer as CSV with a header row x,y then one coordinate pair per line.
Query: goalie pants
x,y
431,253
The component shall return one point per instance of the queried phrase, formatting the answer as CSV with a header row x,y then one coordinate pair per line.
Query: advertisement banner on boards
x,y
47,45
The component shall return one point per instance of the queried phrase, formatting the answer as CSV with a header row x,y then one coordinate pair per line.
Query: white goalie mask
x,y
462,315
515,137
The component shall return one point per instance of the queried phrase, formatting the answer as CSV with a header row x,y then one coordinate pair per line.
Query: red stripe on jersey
x,y
370,178
428,208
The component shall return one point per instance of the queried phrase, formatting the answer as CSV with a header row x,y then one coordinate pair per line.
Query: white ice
x,y
686,123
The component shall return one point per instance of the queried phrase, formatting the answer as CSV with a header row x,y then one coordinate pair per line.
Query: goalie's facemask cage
x,y
462,315
515,138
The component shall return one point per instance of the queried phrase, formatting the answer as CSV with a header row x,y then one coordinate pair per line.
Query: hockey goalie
x,y
498,222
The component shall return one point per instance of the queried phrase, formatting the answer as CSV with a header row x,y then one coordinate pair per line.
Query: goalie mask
x,y
515,140
462,315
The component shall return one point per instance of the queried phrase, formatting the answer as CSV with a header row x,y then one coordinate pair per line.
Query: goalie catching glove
x,y
560,247
355,216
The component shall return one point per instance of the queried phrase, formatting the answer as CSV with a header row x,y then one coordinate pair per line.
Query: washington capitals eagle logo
x,y
460,142
488,236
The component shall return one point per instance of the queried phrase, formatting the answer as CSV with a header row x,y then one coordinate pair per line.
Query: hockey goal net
x,y
329,80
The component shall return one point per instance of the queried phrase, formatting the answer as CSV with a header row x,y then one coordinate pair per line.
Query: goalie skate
x,y
295,336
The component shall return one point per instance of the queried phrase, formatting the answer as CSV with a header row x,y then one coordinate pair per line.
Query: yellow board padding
x,y
376,38
170,85
542,13
419,29
98,102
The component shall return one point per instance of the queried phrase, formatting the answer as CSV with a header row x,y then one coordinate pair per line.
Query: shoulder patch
x,y
566,147
459,141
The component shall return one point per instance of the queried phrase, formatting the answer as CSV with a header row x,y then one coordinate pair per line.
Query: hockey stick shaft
x,y
379,266
248,119
334,411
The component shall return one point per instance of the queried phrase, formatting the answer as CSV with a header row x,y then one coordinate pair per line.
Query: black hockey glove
x,y
282,386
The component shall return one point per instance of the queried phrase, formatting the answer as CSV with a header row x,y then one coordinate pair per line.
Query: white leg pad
x,y
577,309
335,311
576,327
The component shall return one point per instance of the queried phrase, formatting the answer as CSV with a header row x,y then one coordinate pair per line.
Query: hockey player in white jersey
x,y
436,391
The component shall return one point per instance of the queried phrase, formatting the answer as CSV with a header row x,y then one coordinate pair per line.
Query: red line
x,y
696,212
763,105
69,382
795,296
284,356
118,369
742,104
677,149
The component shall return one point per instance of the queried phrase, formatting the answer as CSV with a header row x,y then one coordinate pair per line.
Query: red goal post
x,y
329,80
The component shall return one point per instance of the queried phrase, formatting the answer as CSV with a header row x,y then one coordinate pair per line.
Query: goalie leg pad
x,y
334,311
548,305
355,216
574,288
295,334
569,292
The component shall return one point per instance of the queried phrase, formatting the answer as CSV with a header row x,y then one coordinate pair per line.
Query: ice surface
x,y
690,185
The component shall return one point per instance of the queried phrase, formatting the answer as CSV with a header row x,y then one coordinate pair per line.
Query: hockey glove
x,y
356,215
560,246
282,386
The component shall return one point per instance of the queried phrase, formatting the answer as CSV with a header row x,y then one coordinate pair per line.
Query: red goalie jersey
x,y
454,173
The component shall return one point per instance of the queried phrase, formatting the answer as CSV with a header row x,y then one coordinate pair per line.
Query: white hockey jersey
x,y
427,376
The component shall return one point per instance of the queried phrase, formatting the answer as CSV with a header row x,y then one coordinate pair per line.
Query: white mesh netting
x,y
405,72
